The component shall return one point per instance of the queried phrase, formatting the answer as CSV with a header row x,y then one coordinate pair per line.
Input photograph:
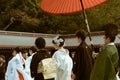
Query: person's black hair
x,y
111,30
24,51
17,49
40,42
61,43
81,34
33,49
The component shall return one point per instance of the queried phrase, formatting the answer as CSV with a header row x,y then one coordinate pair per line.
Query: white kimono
x,y
27,66
64,64
15,65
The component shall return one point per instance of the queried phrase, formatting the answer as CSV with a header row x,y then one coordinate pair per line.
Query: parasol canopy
x,y
67,6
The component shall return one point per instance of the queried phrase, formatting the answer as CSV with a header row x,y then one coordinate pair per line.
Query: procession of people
x,y
86,65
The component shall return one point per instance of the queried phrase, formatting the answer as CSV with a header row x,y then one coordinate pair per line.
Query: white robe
x,y
64,64
28,62
14,65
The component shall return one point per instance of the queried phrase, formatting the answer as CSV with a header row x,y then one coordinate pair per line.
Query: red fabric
x,y
67,6
20,75
23,61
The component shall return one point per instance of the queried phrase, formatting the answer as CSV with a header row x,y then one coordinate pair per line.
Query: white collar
x,y
111,43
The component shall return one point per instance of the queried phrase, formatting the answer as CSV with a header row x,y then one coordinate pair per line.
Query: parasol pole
x,y
87,24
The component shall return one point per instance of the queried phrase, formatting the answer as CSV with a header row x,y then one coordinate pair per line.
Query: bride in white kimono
x,y
64,61
15,69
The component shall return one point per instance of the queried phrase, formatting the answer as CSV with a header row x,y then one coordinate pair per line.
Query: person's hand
x,y
72,76
94,55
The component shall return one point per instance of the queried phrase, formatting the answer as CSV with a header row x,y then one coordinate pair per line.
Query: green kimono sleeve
x,y
103,68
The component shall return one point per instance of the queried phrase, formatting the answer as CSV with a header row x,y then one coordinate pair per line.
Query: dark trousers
x,y
2,76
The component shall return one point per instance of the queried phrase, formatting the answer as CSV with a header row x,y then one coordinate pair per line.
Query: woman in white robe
x,y
11,73
27,67
32,51
27,62
64,61
15,68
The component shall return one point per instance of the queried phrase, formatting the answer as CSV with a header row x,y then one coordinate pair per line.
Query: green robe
x,y
105,64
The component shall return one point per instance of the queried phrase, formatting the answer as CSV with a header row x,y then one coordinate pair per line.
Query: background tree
x,y
27,16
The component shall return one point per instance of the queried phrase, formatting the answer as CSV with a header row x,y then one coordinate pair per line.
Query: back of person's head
x,y
81,34
17,49
33,49
59,41
111,30
40,42
24,51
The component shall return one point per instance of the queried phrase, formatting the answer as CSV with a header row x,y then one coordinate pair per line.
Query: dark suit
x,y
82,62
34,63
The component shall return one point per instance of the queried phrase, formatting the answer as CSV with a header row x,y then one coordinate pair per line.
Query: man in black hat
x,y
106,62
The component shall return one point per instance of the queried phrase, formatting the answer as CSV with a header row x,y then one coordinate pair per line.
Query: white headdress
x,y
57,40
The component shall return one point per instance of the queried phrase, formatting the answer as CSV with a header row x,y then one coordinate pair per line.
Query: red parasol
x,y
70,6
67,6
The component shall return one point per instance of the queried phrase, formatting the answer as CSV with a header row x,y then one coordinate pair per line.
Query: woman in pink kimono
x,y
64,61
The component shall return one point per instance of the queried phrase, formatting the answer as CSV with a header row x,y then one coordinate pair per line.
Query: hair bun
x,y
59,41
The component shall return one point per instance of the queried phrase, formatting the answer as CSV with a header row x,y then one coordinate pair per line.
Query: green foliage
x,y
27,16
